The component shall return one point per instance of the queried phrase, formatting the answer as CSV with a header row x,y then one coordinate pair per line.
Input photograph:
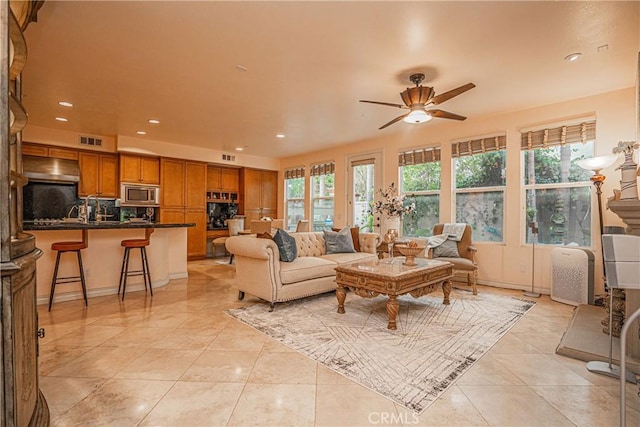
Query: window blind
x,y
416,157
323,169
294,173
478,146
363,162
561,135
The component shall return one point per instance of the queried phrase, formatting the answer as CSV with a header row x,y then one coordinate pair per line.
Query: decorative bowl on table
x,y
409,253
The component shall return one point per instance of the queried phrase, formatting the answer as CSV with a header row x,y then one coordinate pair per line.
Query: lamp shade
x,y
417,116
596,164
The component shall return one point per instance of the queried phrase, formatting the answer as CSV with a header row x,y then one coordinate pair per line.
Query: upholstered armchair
x,y
466,261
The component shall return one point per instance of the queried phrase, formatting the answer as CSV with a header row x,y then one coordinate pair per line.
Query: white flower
x,y
626,147
392,204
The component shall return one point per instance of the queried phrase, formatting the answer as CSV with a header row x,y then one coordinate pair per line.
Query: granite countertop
x,y
101,225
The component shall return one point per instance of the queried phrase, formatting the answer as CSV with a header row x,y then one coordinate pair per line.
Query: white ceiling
x,y
308,64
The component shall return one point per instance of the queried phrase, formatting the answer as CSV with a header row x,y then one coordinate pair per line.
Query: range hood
x,y
50,169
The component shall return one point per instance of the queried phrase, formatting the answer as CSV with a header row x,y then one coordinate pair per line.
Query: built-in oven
x,y
139,195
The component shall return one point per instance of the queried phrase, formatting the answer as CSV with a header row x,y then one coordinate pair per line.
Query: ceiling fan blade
x,y
389,104
397,119
441,114
448,95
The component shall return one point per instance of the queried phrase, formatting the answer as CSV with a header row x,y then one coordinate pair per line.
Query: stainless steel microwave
x,y
139,195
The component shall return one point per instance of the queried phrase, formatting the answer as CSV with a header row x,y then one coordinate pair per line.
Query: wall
x,y
507,264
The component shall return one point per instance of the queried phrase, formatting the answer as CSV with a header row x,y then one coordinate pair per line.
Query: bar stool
x,y
124,272
60,248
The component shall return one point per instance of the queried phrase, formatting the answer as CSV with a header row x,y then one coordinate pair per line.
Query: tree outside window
x,y
420,183
294,201
322,195
480,180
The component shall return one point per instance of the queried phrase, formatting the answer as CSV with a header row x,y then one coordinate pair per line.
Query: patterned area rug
x,y
433,345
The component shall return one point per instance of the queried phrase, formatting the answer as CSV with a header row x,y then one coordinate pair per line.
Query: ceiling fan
x,y
417,98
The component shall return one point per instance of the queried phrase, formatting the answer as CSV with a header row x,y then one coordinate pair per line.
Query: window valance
x,y
561,135
419,156
479,145
294,173
323,168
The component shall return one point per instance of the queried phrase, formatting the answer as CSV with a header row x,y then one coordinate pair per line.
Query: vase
x,y
628,184
390,223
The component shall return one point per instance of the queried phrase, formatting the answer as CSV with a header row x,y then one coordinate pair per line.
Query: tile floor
x,y
177,360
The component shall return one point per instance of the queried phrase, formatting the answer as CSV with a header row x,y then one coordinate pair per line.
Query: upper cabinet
x,y
139,169
48,151
98,174
183,184
223,184
259,193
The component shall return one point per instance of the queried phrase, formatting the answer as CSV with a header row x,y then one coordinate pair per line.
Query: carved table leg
x,y
341,294
392,311
446,289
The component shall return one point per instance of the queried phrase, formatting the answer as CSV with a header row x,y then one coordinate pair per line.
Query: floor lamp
x,y
596,164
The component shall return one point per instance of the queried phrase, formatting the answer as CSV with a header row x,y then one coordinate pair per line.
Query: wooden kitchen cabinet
x,y
41,150
183,200
98,174
223,179
258,194
139,169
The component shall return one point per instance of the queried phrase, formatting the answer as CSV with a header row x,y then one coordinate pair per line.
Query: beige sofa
x,y
260,272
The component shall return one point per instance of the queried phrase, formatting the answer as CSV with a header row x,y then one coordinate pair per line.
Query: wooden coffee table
x,y
373,278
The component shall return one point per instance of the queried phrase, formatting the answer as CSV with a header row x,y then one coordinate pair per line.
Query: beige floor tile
x,y
118,402
273,346
452,409
206,320
513,406
164,319
137,337
513,343
56,331
53,357
283,368
489,371
275,405
194,339
586,405
89,336
63,393
99,362
632,394
221,366
540,369
353,405
159,364
195,404
238,340
542,342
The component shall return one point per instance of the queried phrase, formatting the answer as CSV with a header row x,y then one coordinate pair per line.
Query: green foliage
x,y
422,177
481,170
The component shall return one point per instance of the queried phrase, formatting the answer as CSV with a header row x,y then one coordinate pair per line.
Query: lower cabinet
x,y
197,235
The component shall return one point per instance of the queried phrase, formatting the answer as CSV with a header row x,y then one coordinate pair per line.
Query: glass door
x,y
364,179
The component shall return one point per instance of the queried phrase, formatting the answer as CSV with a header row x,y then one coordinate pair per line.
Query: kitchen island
x,y
102,259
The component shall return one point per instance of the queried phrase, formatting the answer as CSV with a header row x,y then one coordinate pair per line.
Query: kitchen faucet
x,y
86,208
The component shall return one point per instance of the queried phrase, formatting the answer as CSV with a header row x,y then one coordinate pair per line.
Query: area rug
x,y
433,345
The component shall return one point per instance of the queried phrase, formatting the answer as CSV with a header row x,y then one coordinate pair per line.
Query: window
x,y
322,192
558,191
294,196
420,183
480,180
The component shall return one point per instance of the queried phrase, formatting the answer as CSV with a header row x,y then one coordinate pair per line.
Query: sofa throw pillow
x,y
338,242
448,249
355,237
286,245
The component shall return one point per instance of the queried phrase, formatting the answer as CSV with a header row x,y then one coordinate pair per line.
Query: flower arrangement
x,y
626,147
392,204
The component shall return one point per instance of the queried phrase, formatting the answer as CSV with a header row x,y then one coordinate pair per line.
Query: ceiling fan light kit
x,y
417,98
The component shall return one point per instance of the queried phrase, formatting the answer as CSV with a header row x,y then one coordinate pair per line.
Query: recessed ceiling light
x,y
239,149
280,135
154,121
141,132
241,67
62,119
572,57
65,104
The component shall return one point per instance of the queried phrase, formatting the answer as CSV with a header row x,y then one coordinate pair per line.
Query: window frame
x,y
411,194
294,174
318,170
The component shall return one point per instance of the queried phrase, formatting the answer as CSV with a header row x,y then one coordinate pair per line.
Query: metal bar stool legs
x,y
60,248
145,272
